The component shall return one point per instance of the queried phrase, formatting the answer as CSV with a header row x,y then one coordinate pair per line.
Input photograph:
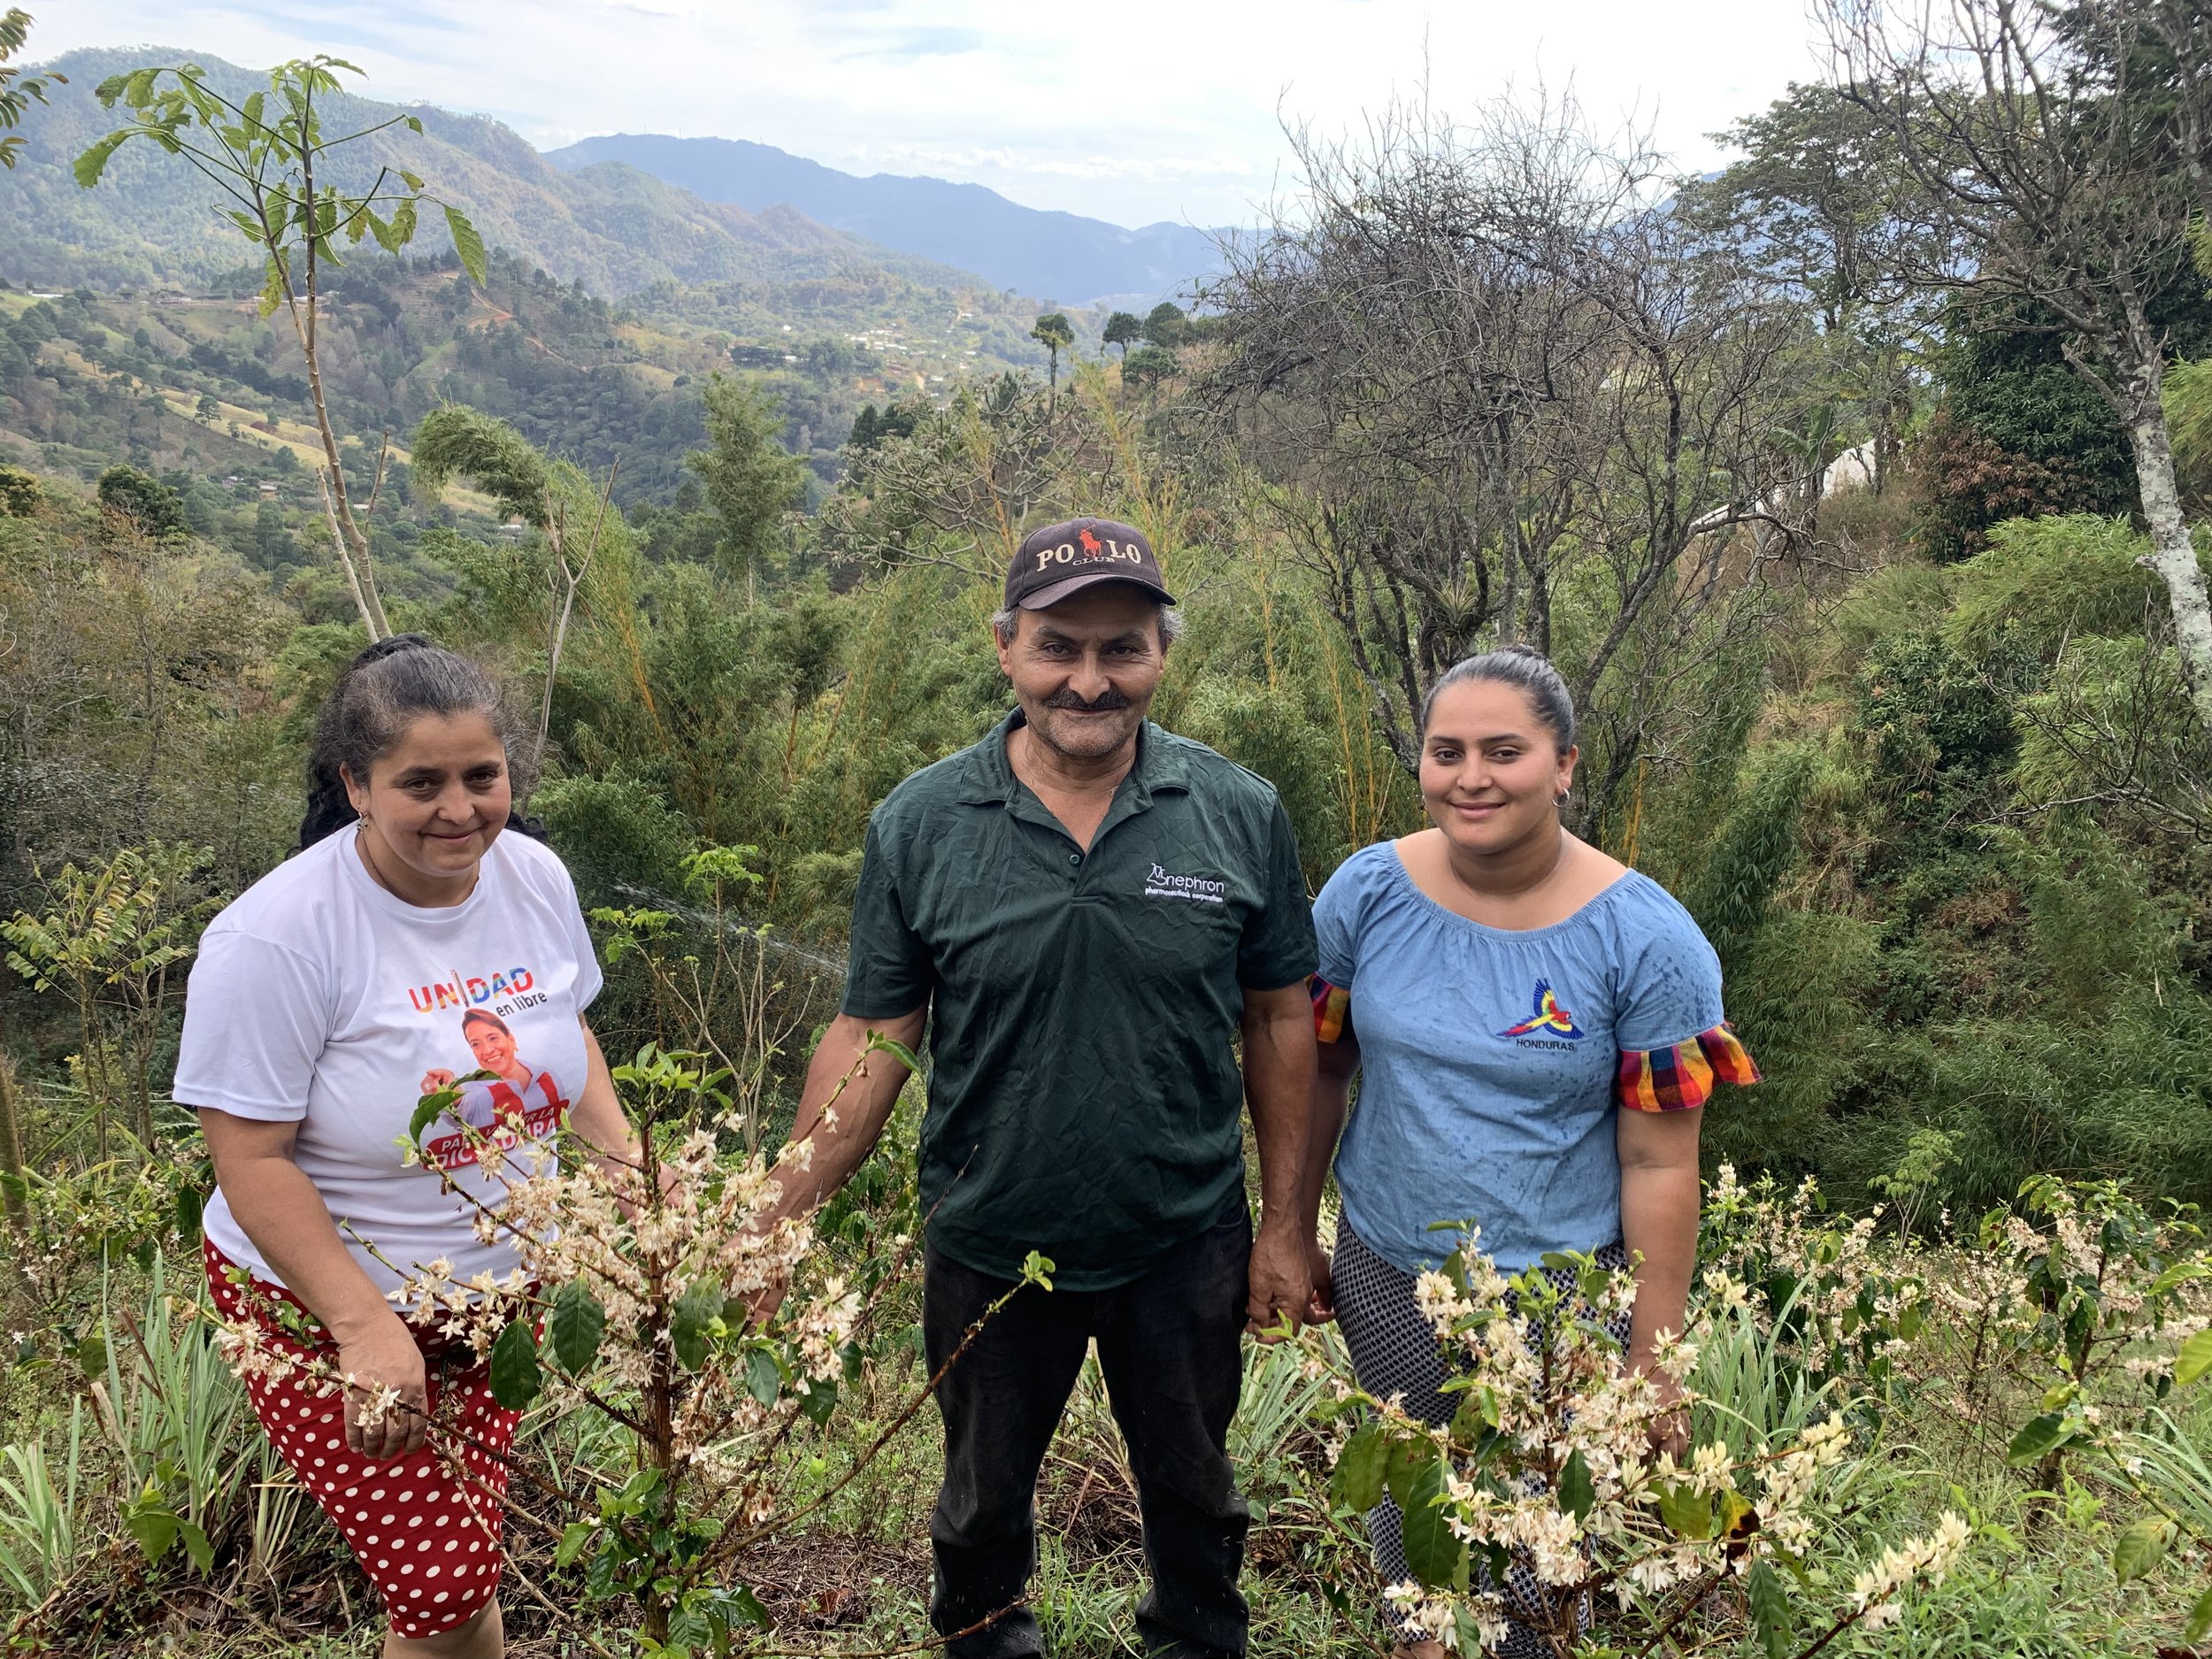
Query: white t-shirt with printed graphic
x,y
321,999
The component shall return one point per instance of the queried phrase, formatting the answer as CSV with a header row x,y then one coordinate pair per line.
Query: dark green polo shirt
x,y
1084,1100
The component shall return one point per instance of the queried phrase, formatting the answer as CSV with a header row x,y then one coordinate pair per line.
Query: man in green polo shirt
x,y
1086,911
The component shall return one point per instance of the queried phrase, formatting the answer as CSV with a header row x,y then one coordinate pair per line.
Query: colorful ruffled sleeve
x,y
1676,1077
1675,1042
1336,929
1332,1006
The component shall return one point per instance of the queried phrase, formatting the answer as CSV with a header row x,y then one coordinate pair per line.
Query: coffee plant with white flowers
x,y
1543,1493
2059,1324
631,1303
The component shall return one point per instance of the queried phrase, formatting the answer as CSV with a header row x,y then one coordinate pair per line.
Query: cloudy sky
x,y
1144,110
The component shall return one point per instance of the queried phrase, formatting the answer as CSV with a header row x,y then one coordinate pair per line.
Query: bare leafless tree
x,y
960,489
2061,155
1483,363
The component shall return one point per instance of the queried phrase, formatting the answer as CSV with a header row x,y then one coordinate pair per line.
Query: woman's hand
x,y
1321,1302
1669,1430
436,1079
383,1356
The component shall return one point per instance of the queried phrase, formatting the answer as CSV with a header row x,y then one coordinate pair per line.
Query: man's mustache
x,y
1105,703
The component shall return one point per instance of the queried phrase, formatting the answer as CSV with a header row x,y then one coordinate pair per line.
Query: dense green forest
x,y
1856,574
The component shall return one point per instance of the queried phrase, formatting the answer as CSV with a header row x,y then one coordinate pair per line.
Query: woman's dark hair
x,y
1529,671
382,692
484,1016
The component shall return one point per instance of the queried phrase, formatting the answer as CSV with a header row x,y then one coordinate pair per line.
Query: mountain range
x,y
1060,257
620,214
152,220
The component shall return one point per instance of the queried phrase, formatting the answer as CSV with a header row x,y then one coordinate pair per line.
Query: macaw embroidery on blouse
x,y
1549,1017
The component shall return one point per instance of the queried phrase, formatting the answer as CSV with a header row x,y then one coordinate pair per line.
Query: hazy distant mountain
x,y
1060,257
617,228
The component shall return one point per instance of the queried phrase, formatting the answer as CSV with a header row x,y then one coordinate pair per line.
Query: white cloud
x,y
1157,109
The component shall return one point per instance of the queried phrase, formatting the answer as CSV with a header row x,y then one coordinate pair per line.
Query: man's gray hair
x,y
1169,618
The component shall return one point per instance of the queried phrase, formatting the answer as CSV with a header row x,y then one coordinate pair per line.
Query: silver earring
x,y
1561,798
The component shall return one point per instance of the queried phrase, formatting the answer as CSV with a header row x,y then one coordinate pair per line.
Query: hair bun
x,y
392,645
1526,669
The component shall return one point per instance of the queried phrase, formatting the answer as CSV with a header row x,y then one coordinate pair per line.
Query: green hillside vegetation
x,y
206,393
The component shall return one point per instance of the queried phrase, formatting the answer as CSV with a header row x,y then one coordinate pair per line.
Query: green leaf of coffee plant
x,y
196,1546
2141,1547
1408,1458
877,1043
466,242
1467,1425
575,1325
2179,1273
748,1606
2195,1358
1431,1551
763,1377
1577,1493
516,1378
2040,1437
2200,1624
152,1522
428,1109
1358,1480
1733,1516
1686,1513
573,1538
691,1323
1770,1619
818,1402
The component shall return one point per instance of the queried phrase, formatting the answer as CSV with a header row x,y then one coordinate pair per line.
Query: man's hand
x,y
1321,1304
1278,1286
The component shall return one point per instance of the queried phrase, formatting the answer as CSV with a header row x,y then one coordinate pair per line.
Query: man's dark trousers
x,y
1168,1343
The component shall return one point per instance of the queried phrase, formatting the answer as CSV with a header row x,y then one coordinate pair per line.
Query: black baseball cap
x,y
1063,559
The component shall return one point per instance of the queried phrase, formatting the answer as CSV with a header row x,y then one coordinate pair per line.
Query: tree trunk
x,y
11,1143
2174,554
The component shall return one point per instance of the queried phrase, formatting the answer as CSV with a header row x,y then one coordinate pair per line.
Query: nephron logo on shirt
x,y
1549,1020
1198,889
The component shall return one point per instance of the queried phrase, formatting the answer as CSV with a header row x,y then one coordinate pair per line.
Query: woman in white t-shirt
x,y
408,932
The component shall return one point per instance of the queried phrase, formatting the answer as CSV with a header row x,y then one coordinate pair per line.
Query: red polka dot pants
x,y
429,1540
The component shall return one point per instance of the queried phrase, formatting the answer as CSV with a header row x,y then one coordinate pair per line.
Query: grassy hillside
x,y
203,393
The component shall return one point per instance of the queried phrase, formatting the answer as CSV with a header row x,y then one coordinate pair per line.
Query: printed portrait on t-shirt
x,y
515,1100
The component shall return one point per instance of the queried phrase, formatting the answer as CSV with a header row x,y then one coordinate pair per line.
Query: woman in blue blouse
x,y
1536,1028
